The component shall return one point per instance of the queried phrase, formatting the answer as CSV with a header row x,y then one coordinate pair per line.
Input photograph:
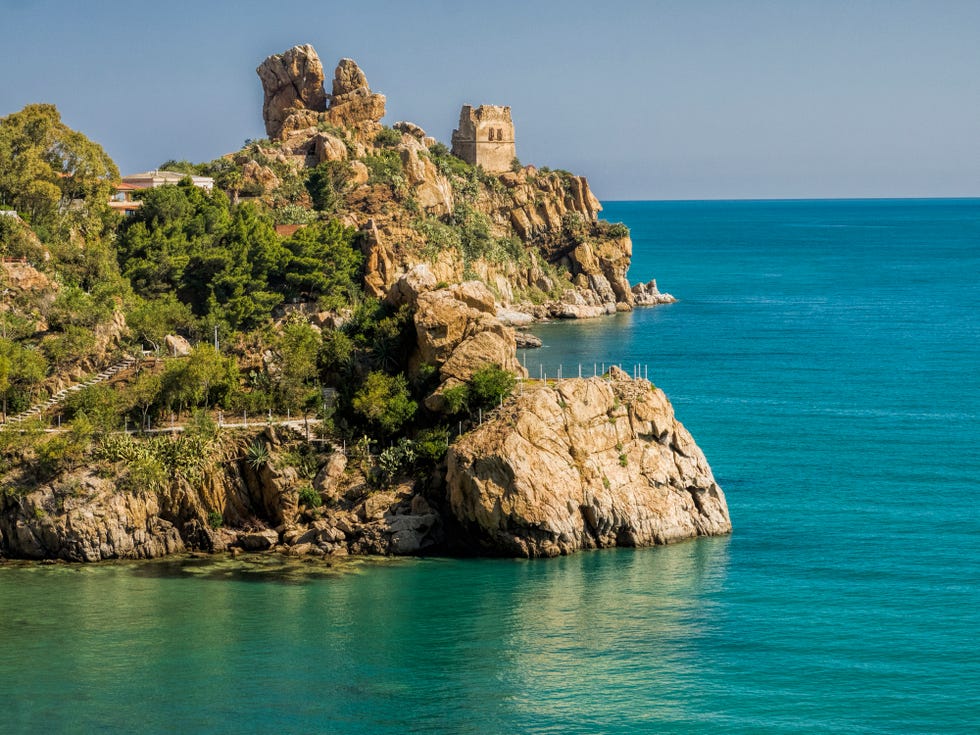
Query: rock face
x,y
432,189
553,214
84,518
584,464
291,81
458,332
296,102
118,526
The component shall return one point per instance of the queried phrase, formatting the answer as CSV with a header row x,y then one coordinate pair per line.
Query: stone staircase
x,y
39,408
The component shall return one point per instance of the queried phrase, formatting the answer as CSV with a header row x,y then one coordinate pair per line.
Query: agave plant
x,y
258,455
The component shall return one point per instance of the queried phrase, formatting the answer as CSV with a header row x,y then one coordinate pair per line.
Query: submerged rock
x,y
583,464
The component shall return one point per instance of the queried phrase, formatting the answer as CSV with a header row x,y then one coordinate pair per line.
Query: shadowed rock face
x,y
588,463
291,81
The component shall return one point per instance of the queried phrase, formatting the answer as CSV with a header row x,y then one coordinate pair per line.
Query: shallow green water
x,y
824,355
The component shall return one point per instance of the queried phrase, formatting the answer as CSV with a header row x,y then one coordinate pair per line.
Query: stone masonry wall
x,y
485,137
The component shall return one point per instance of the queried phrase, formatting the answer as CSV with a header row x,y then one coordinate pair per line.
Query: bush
x,y
309,497
431,444
491,384
449,165
384,401
387,138
457,398
386,168
612,229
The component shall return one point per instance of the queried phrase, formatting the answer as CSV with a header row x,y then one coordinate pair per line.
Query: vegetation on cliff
x,y
373,315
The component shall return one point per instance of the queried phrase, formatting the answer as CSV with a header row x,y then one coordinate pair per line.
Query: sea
x,y
826,357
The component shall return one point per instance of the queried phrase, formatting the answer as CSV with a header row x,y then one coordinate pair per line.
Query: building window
x,y
491,135
500,134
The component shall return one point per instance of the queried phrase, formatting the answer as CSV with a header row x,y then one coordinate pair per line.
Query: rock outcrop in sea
x,y
582,464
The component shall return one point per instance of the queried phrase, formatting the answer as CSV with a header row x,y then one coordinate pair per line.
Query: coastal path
x,y
39,408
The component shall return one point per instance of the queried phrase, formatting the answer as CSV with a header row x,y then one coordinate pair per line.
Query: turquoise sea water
x,y
825,355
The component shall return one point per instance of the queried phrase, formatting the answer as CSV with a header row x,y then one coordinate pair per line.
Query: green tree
x,y
322,263
143,394
384,401
204,378
298,347
21,369
45,166
151,320
327,184
102,406
215,257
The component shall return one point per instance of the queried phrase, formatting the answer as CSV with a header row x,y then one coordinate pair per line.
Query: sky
x,y
672,99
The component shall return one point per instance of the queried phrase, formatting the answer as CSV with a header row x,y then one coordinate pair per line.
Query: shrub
x,y
309,497
258,455
387,138
457,398
491,384
612,229
215,519
386,168
438,237
303,459
384,401
396,459
431,444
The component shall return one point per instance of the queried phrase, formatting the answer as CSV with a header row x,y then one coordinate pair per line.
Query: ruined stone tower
x,y
485,137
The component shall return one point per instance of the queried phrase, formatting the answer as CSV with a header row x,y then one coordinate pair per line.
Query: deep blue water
x,y
825,355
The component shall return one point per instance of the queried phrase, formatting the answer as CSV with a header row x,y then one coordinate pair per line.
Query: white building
x,y
153,179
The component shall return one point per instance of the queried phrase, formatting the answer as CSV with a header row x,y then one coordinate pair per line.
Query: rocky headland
x,y
455,258
533,236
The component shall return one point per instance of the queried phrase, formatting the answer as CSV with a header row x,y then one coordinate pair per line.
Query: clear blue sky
x,y
650,100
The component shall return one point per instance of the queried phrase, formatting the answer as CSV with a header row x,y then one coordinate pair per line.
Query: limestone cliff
x,y
583,464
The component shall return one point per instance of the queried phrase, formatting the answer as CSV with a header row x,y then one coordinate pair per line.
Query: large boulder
x,y
458,332
584,464
349,81
432,190
296,103
352,103
647,294
291,81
